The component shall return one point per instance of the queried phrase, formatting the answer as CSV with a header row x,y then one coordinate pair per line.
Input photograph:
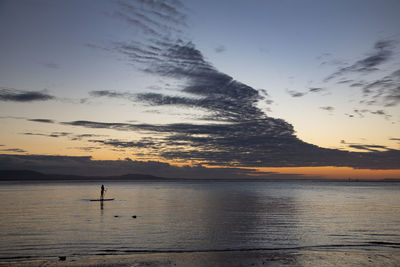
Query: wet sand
x,y
241,258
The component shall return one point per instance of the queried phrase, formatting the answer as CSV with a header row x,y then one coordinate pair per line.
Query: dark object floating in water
x,y
116,216
105,199
134,216
62,258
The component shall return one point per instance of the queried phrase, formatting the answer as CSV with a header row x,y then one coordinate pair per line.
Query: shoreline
x,y
289,257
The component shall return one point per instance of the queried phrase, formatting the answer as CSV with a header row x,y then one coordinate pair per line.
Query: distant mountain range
x,y
27,175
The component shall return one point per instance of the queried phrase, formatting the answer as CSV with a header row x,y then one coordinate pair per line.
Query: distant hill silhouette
x,y
28,175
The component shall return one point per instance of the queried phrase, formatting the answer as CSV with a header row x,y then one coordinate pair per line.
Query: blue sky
x,y
303,65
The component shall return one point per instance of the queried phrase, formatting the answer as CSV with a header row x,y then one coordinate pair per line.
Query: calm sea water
x,y
50,219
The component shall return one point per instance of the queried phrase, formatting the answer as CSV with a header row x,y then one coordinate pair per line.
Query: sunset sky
x,y
201,89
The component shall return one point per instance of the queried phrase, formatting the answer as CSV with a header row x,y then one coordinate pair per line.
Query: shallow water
x,y
51,219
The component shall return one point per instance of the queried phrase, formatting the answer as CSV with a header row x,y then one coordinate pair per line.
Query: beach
x,y
349,257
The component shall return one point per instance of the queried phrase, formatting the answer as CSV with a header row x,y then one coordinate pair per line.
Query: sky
x,y
201,89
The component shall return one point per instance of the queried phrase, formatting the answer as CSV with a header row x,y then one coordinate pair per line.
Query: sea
x,y
48,219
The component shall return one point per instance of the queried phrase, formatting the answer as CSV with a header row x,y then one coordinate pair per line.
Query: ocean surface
x,y
42,219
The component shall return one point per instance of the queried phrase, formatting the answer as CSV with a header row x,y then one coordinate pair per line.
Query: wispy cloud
x,y
382,52
294,93
367,147
143,143
362,112
42,120
384,91
345,81
16,150
328,108
76,137
220,49
53,134
316,89
153,17
86,148
113,94
11,94
71,136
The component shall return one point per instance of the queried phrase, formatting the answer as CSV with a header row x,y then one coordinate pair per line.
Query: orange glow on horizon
x,y
327,172
331,172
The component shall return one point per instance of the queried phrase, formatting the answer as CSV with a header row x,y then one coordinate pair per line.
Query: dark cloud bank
x,y
240,133
256,143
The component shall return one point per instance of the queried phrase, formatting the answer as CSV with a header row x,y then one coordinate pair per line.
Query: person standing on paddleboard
x,y
102,192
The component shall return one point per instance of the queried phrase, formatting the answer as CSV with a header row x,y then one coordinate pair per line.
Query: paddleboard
x,y
106,199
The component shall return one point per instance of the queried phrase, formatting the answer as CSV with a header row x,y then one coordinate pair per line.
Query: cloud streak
x,y
362,112
328,108
294,93
367,147
384,91
53,135
71,136
14,95
144,143
113,94
42,120
382,52
15,150
220,49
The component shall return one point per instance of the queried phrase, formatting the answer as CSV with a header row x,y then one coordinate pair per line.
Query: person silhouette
x,y
102,192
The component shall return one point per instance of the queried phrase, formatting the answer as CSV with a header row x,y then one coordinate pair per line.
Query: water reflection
x,y
45,219
248,218
200,216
